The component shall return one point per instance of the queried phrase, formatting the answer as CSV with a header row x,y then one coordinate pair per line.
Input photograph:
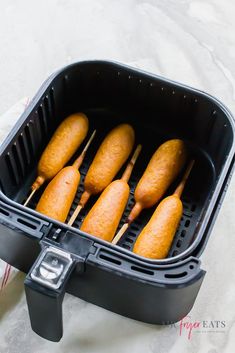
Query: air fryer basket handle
x,y
45,310
45,288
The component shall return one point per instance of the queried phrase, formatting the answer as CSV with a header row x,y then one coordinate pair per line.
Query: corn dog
x,y
110,157
155,240
59,194
164,166
104,217
65,141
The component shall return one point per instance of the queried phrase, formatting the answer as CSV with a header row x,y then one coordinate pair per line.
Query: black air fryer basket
x,y
154,291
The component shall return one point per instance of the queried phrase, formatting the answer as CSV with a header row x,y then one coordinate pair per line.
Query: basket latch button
x,y
52,267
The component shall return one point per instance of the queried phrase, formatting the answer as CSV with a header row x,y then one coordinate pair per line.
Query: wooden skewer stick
x,y
180,187
178,191
126,176
77,163
75,214
29,197
120,233
127,172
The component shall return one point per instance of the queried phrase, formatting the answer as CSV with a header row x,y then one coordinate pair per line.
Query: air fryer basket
x,y
158,109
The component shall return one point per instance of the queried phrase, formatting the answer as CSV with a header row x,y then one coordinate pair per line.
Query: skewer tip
x,y
29,197
127,172
77,163
120,233
137,152
74,215
89,141
179,190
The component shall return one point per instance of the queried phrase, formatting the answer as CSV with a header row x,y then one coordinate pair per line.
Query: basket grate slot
x,y
11,167
126,246
129,240
29,138
176,275
27,224
4,212
20,165
51,101
142,270
42,120
47,112
24,148
110,259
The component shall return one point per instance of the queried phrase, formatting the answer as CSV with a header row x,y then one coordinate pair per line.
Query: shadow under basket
x,y
111,276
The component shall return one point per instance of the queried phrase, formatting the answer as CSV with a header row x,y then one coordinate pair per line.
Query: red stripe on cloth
x,y
7,275
3,279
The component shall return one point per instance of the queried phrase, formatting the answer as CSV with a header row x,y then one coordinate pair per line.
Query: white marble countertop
x,y
189,41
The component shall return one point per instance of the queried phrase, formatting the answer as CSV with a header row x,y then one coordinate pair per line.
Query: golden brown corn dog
x,y
59,194
65,141
155,240
164,166
110,157
104,217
